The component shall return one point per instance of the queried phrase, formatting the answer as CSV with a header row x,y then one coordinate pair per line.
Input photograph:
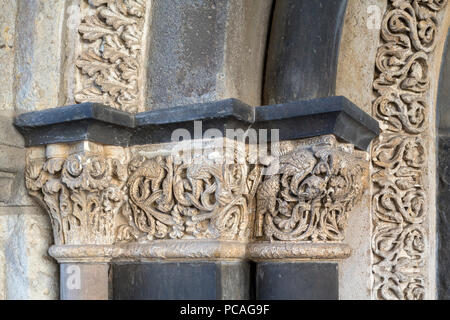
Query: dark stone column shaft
x,y
303,50
182,281
443,172
297,281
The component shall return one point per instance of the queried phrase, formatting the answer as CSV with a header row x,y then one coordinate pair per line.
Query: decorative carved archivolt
x,y
111,63
155,203
400,245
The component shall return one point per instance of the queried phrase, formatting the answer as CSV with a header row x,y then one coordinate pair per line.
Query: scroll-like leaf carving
x,y
310,197
175,201
83,195
399,243
93,28
111,61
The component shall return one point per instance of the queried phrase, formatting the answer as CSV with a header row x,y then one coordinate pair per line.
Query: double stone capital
x,y
118,189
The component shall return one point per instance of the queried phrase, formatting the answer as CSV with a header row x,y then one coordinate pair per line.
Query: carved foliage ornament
x,y
96,198
82,193
399,161
196,200
312,194
111,61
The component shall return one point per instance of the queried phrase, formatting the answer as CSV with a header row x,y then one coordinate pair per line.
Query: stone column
x,y
81,281
82,187
303,50
301,216
174,204
189,221
306,219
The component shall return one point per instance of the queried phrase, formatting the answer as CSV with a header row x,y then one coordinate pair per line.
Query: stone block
x,y
29,272
12,159
38,58
358,50
6,186
85,281
7,53
295,120
199,53
9,134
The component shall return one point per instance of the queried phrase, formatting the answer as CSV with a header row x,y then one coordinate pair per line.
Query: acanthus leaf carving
x,y
111,67
83,194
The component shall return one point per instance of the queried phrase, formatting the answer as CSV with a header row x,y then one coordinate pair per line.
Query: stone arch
x,y
355,74
443,147
203,51
403,158
357,69
303,50
237,71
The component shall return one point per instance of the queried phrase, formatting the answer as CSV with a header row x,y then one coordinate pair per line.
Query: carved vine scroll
x,y
111,63
311,196
399,156
98,194
187,200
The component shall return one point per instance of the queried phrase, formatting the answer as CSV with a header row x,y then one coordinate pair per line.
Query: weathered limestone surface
x,y
359,44
30,65
204,51
355,73
38,54
27,271
355,271
403,158
85,281
7,50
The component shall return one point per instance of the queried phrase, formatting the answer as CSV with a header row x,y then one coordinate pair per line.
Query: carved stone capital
x,y
103,195
203,200
82,186
154,196
192,191
316,184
